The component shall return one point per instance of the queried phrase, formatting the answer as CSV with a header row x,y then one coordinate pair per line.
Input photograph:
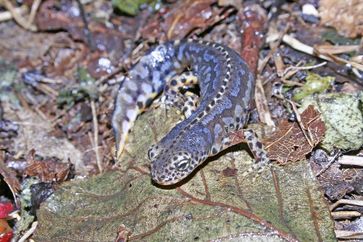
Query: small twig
x,y
346,202
331,161
263,63
351,160
6,15
33,10
345,214
298,68
352,235
17,17
301,125
297,45
28,233
87,31
95,135
108,76
261,103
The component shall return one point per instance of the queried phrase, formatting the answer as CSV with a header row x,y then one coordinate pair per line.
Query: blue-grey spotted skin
x,y
146,80
226,90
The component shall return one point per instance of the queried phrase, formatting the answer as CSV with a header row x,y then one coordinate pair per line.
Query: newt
x,y
226,92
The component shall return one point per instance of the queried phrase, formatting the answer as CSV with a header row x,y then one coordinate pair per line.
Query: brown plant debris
x,y
182,19
47,170
292,141
344,15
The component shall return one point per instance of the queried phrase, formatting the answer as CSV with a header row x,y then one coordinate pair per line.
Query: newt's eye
x,y
152,152
182,165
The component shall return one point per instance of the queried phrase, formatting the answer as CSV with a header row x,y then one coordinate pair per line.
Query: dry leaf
x,y
290,143
184,18
47,170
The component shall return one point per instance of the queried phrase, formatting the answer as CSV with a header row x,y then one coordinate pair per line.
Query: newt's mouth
x,y
161,177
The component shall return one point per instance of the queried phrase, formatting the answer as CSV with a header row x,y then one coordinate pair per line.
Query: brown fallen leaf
x,y
48,170
183,18
9,176
54,16
292,141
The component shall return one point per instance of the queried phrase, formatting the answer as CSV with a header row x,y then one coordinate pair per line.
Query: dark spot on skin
x,y
127,119
173,92
173,82
207,109
214,151
158,68
194,121
140,105
259,145
190,103
200,115
213,102
238,119
166,72
183,80
167,88
249,138
218,95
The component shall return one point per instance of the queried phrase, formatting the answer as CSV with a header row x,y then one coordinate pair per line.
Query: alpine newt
x,y
226,91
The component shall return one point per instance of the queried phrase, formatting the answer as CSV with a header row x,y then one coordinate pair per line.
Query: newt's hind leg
x,y
174,89
256,147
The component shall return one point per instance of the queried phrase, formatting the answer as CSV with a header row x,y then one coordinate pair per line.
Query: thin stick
x,y
17,17
28,233
297,45
6,15
33,10
329,164
95,135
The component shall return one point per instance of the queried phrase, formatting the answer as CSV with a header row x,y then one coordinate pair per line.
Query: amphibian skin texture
x,y
226,90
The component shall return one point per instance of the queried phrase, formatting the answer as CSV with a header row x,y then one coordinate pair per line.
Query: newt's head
x,y
171,163
168,168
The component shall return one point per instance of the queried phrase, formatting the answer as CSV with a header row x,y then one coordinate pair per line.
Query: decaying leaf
x,y
344,15
182,19
9,176
48,170
215,203
292,141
